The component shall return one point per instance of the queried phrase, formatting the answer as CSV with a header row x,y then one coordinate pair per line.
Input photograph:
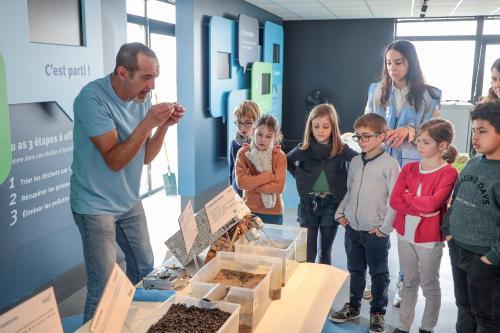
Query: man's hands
x,y
164,114
176,115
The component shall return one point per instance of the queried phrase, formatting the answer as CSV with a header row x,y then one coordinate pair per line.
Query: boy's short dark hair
x,y
489,112
373,121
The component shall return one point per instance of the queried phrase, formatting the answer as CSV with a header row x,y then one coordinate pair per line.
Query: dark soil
x,y
182,319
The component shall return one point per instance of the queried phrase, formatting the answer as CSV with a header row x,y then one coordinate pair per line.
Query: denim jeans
x,y
270,219
364,249
477,291
316,214
100,233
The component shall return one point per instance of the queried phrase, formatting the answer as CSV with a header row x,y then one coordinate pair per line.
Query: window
x,y
451,51
492,27
161,11
436,28
135,7
154,25
136,33
492,53
442,67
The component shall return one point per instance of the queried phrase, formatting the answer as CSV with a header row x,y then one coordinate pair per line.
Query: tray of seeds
x,y
284,242
251,281
185,314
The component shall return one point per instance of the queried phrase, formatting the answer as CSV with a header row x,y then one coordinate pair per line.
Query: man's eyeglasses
x,y
243,123
364,137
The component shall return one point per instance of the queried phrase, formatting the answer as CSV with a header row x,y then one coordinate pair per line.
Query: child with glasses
x,y
245,114
261,171
319,165
367,219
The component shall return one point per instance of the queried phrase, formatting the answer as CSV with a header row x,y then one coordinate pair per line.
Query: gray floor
x,y
162,213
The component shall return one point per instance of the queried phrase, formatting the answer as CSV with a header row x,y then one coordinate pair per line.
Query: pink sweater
x,y
436,188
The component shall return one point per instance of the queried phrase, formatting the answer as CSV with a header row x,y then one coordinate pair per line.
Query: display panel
x,y
223,65
266,83
55,21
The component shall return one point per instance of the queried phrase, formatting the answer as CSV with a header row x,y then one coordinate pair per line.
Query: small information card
x,y
188,226
114,303
39,314
225,206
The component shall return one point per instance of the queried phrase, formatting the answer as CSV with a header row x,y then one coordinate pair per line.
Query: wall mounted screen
x,y
276,53
266,83
223,65
55,21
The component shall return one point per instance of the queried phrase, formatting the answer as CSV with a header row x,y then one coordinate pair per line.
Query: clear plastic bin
x,y
230,326
254,302
285,242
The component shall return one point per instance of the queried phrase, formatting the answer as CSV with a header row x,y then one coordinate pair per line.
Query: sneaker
x,y
367,293
377,323
397,296
348,312
397,330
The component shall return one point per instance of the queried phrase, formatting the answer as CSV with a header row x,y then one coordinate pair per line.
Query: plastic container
x,y
254,302
285,242
230,326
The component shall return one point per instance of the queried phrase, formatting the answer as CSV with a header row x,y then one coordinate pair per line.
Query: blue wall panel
x,y
273,35
223,39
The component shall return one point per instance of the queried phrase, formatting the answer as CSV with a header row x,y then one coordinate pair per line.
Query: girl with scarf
x,y
261,171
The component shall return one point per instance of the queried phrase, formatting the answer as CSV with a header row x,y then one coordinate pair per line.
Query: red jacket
x,y
435,193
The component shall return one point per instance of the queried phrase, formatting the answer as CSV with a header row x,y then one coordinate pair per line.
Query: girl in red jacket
x,y
420,197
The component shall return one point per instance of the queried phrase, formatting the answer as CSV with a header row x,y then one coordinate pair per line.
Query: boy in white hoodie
x,y
367,218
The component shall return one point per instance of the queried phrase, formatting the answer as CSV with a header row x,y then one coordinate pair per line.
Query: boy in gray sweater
x,y
367,218
472,228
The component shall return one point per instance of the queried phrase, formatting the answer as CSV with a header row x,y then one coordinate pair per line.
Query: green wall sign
x,y
261,85
5,144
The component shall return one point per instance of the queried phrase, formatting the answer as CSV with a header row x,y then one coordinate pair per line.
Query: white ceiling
x,y
363,9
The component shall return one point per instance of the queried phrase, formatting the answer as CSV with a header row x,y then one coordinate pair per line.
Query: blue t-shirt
x,y
95,188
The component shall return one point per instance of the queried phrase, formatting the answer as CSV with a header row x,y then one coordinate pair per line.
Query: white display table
x,y
304,305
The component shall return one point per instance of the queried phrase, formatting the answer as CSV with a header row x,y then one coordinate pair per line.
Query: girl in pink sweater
x,y
420,198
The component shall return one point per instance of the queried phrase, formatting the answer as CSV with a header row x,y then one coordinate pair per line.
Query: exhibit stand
x,y
304,305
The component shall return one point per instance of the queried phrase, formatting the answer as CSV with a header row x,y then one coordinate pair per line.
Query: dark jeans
x,y
365,249
270,219
316,214
327,235
477,291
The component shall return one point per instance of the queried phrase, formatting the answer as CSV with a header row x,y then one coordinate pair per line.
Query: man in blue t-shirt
x,y
113,124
